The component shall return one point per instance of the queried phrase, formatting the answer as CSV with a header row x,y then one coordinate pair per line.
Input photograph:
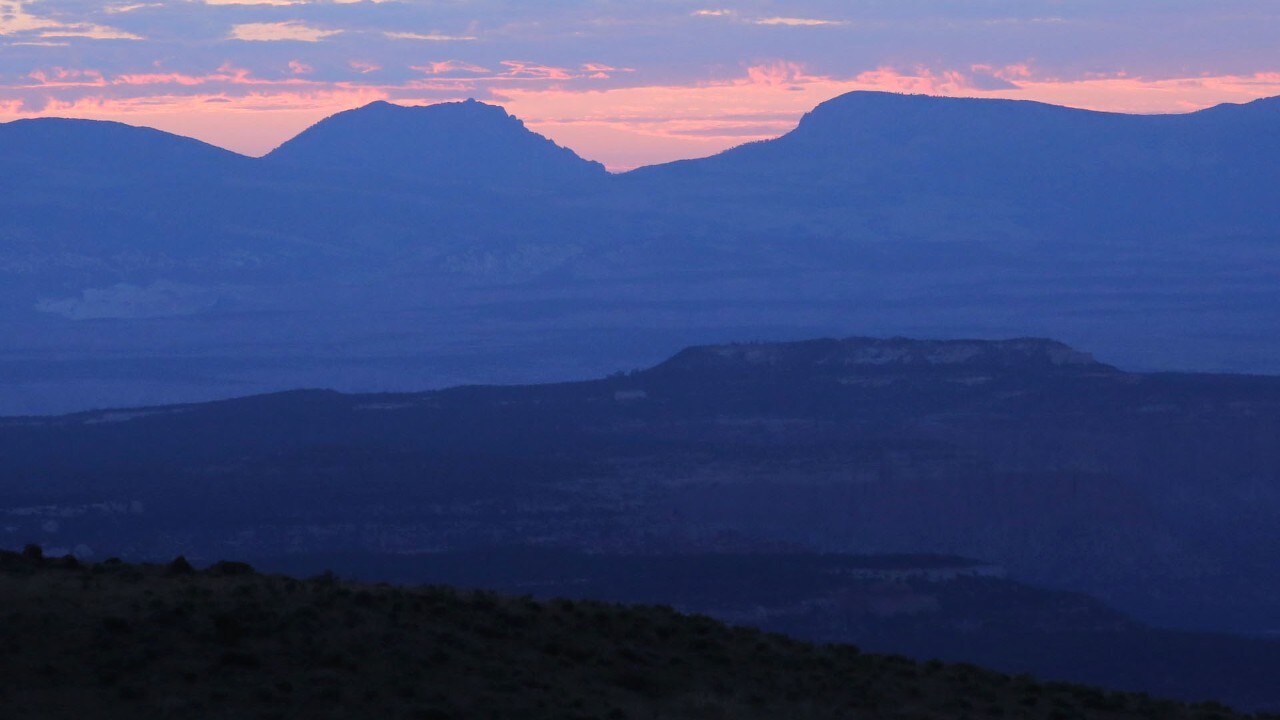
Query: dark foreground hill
x,y
925,607
114,640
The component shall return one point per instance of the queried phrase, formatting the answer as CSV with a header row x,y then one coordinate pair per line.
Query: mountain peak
x,y
470,107
468,141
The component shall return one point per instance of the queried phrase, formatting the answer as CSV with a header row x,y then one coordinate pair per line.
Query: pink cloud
x,y
448,67
535,71
602,68
145,79
252,124
922,81
363,67
623,126
58,77
672,122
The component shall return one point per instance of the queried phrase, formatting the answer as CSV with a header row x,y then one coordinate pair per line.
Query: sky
x,y
625,82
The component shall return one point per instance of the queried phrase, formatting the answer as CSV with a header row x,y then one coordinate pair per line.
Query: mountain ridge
x,y
467,141
98,151
1143,241
1033,356
824,112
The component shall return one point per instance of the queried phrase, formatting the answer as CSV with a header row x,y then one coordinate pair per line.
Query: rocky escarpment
x,y
871,354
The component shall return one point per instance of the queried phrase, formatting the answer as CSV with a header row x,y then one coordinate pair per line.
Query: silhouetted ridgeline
x,y
393,247
925,607
1082,171
113,640
467,142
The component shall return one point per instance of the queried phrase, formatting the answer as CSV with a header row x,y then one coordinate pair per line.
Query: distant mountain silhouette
x,y
1151,239
1046,168
470,142
82,202
76,154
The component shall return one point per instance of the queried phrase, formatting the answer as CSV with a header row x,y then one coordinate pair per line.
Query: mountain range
x,y
391,247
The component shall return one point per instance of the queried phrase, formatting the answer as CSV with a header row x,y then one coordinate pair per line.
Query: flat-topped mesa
x,y
842,118
1019,354
858,116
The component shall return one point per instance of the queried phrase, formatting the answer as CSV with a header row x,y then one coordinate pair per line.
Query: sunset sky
x,y
624,82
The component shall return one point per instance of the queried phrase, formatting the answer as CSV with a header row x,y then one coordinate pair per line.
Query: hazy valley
x,y
1154,493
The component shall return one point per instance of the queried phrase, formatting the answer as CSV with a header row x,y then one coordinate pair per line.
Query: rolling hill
x,y
111,640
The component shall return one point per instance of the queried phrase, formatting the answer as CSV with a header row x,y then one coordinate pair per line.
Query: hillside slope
x,y
114,640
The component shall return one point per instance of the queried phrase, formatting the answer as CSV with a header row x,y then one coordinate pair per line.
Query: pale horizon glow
x,y
627,85
625,128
